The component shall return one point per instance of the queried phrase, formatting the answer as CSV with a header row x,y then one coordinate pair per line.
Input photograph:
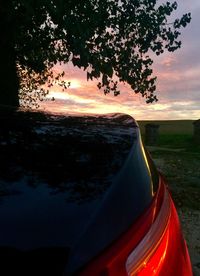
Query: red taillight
x,y
169,256
154,238
152,246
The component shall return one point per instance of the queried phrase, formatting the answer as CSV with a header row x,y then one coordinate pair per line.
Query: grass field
x,y
179,157
171,127
174,134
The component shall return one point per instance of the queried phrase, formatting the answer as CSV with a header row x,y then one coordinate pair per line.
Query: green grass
x,y
181,141
174,134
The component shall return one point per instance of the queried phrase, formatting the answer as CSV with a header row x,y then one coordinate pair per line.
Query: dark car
x,y
80,195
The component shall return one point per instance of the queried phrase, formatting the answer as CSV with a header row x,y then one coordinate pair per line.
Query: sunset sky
x,y
178,84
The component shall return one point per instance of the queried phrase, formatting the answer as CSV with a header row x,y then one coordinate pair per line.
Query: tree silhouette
x,y
106,38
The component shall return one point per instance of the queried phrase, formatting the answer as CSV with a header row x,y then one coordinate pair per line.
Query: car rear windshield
x,y
75,153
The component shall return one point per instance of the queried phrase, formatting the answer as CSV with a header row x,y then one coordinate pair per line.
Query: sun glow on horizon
x,y
65,96
74,84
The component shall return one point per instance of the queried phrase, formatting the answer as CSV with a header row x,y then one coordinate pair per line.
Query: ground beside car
x,y
178,157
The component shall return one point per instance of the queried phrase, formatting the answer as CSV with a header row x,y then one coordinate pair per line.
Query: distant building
x,y
151,134
197,131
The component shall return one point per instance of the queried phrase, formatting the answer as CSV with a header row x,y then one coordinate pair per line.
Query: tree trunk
x,y
9,82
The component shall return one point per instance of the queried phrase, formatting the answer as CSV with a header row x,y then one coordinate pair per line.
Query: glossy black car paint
x,y
58,212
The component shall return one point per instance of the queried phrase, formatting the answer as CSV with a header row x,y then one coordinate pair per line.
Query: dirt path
x,y
183,174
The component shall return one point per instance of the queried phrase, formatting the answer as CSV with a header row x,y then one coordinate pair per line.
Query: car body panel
x,y
66,182
169,255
